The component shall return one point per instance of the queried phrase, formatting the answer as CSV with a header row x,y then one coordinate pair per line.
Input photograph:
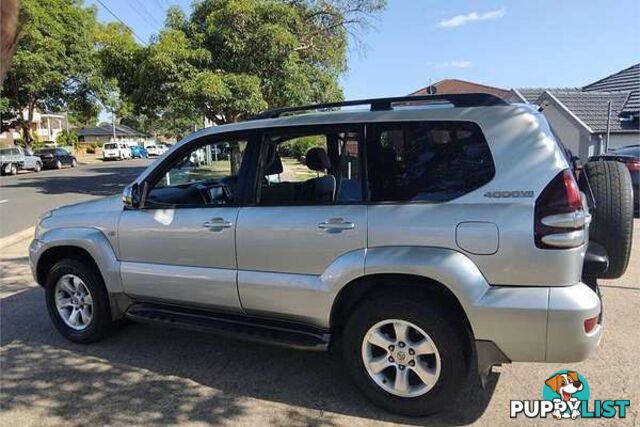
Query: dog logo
x,y
565,395
569,387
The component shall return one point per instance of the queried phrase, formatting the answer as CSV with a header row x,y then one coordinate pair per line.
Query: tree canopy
x,y
55,64
224,61
232,58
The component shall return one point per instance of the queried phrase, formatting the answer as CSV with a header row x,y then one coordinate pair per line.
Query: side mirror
x,y
131,196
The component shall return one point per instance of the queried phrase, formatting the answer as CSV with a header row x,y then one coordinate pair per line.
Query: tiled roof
x,y
450,86
532,94
593,108
633,103
121,130
625,80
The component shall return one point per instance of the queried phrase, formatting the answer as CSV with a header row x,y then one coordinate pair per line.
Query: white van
x,y
115,151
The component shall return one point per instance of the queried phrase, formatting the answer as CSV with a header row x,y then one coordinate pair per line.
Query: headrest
x,y
273,164
317,159
275,167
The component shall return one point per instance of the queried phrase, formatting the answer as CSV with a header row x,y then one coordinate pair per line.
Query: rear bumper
x,y
538,324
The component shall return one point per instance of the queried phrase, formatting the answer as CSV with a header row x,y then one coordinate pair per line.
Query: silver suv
x,y
424,237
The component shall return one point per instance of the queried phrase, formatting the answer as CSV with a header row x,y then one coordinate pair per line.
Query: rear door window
x,y
426,161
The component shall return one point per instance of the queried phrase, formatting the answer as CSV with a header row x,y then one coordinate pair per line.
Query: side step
x,y
276,332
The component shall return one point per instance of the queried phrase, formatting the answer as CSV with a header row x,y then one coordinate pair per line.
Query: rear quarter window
x,y
427,161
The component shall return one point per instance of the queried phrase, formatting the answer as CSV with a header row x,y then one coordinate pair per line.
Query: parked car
x,y
31,161
445,241
138,152
154,150
115,151
15,159
629,155
56,158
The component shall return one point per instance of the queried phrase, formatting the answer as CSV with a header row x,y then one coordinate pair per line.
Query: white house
x,y
45,127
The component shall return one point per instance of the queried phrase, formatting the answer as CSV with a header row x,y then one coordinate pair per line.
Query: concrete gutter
x,y
17,237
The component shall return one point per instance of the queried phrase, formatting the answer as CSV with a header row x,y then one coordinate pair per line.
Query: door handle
x,y
336,225
217,224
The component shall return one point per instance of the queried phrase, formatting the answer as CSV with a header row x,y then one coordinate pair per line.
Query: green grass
x,y
217,169
295,171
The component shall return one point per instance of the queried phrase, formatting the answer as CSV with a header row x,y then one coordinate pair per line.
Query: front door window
x,y
206,175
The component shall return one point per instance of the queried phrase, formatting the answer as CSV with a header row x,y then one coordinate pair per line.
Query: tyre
x,y
612,216
37,167
58,164
77,301
406,353
74,163
13,169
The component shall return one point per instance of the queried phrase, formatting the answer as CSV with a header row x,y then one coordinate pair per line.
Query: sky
x,y
542,43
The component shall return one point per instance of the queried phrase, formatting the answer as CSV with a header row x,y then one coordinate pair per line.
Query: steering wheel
x,y
207,197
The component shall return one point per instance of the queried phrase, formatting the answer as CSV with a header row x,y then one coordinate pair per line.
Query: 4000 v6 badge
x,y
565,395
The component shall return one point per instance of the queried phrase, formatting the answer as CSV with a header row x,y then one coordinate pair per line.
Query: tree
x,y
55,64
233,58
67,139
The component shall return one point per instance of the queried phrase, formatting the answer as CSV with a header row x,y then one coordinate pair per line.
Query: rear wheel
x,y
612,223
74,163
77,301
37,167
12,169
58,164
406,353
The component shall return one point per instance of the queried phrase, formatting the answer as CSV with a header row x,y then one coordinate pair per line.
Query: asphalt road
x,y
25,196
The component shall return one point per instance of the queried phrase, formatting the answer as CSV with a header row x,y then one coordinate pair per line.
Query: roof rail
x,y
383,104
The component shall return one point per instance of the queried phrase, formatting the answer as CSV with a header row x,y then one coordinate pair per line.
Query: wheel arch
x,y
362,287
56,253
87,245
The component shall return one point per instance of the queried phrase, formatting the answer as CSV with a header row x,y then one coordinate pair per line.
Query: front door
x,y
180,246
308,226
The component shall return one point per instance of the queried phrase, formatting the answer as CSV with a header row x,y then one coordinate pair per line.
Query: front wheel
x,y
77,301
74,163
406,354
37,167
58,164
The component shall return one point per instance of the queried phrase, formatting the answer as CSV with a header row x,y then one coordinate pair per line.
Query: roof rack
x,y
383,104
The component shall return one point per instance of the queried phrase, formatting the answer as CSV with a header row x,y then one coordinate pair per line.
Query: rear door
x,y
307,223
64,156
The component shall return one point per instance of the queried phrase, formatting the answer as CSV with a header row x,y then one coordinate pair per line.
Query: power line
x,y
121,21
144,13
162,6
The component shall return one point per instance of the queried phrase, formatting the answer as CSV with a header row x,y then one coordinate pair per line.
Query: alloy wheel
x,y
401,358
74,302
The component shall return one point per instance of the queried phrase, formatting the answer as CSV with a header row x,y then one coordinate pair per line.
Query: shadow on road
x,y
99,181
143,375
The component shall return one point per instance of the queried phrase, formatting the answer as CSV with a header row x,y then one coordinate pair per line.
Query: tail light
x,y
633,165
559,217
590,324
